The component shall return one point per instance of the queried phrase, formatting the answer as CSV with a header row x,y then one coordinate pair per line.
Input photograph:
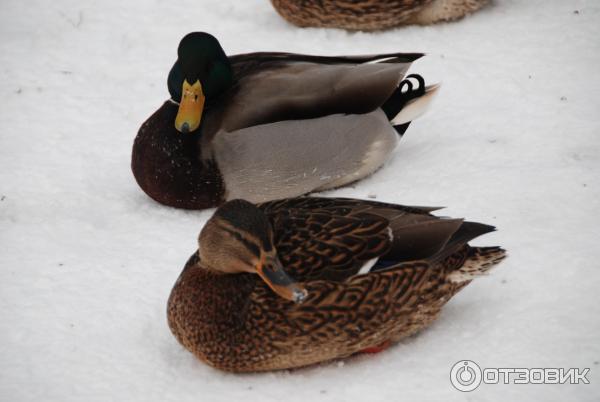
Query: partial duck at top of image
x,y
373,15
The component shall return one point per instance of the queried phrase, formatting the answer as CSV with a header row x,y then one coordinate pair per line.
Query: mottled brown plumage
x,y
370,15
234,321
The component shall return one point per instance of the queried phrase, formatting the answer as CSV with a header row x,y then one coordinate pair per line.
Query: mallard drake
x,y
295,282
370,15
265,126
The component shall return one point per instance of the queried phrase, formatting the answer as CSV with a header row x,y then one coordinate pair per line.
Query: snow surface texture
x,y
87,260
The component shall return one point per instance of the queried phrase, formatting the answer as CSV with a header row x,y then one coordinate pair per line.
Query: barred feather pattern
x,y
236,323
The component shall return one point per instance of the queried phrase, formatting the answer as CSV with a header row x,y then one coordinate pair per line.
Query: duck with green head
x,y
202,71
265,126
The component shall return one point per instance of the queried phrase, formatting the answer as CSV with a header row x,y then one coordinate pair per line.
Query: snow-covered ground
x,y
87,261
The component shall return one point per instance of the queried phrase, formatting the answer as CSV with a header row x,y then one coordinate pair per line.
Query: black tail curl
x,y
405,92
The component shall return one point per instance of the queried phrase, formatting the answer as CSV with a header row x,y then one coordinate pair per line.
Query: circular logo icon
x,y
465,375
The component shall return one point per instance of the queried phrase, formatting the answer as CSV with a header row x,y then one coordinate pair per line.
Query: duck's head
x,y
202,72
239,238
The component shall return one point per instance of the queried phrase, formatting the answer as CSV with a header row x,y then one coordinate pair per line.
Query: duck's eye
x,y
195,98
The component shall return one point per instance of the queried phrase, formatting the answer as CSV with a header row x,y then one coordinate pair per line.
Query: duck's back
x,y
272,87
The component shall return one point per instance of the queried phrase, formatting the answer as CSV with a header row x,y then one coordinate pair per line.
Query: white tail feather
x,y
382,60
416,107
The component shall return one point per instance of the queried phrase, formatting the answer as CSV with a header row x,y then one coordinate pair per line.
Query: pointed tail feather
x,y
465,233
469,231
415,107
479,261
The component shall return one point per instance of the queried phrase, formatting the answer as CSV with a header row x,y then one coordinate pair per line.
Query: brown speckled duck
x,y
295,282
265,126
370,15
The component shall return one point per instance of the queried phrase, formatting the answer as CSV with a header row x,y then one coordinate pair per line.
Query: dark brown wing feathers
x,y
331,239
322,244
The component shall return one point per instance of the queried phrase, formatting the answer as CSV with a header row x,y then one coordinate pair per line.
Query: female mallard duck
x,y
267,126
370,15
335,277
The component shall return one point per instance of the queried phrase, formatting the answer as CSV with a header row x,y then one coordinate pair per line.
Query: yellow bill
x,y
189,115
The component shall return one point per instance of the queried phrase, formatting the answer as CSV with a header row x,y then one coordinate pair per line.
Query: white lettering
x,y
551,376
522,376
490,376
506,372
581,376
536,376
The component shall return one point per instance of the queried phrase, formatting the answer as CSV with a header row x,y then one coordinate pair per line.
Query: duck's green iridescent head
x,y
202,71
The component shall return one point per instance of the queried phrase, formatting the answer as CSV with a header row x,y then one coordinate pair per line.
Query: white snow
x,y
87,261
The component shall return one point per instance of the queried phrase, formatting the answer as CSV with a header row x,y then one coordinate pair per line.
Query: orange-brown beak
x,y
191,106
271,271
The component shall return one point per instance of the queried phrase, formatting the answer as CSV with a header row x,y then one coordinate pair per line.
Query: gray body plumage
x,y
303,127
274,160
